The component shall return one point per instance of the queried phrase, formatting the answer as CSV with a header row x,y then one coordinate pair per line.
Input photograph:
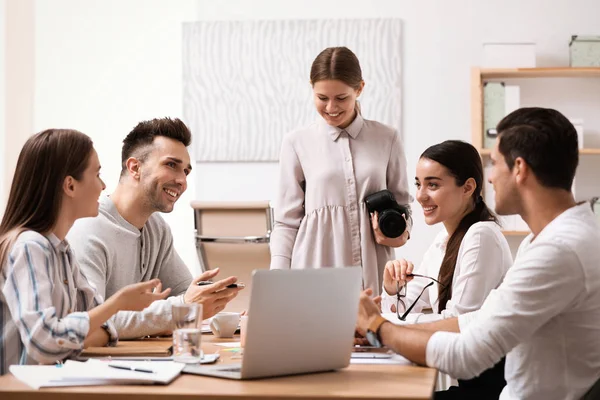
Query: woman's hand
x,y
396,274
138,296
380,238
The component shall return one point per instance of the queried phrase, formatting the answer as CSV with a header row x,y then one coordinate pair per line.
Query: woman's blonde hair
x,y
337,63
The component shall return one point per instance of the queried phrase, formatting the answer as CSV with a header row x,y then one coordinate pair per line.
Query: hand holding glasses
x,y
401,294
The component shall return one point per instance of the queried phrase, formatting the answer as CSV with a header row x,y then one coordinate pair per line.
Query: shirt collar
x,y
353,129
57,243
442,240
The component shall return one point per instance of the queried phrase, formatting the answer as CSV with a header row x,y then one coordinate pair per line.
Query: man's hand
x,y
380,238
138,296
368,309
213,297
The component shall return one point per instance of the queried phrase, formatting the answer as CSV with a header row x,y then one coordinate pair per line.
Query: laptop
x,y
301,321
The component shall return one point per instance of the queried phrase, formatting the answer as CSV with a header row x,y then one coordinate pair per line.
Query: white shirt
x,y
483,259
545,317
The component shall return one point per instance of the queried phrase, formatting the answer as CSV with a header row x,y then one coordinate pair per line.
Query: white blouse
x,y
484,257
321,219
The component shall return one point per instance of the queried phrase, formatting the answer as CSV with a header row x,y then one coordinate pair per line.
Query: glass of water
x,y
187,333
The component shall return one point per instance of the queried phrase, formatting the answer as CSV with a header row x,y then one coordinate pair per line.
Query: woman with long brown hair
x,y
327,169
48,310
465,262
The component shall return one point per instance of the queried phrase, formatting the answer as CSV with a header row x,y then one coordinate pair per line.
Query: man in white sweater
x,y
129,242
545,316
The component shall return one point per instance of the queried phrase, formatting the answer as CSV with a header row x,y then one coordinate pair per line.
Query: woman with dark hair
x,y
326,171
466,261
48,310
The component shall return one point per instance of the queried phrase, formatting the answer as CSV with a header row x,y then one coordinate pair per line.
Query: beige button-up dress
x,y
321,219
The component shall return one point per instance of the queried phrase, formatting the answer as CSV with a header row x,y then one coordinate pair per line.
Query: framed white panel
x,y
246,83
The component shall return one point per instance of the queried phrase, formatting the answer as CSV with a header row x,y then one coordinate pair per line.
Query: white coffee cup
x,y
224,324
243,329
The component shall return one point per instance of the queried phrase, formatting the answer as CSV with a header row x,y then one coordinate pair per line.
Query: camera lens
x,y
391,223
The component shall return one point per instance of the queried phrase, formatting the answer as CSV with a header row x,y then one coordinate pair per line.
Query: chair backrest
x,y
233,236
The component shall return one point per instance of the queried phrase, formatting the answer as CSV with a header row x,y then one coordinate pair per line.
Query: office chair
x,y
233,236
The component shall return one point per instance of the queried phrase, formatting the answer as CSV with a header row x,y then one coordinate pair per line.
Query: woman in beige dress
x,y
326,171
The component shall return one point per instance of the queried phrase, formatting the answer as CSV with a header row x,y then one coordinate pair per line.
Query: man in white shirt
x,y
545,316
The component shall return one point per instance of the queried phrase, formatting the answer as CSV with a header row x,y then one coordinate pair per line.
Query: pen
x,y
230,286
148,371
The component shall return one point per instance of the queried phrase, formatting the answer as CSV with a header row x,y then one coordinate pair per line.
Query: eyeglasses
x,y
401,293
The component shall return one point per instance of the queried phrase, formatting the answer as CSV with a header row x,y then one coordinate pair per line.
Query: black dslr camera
x,y
391,222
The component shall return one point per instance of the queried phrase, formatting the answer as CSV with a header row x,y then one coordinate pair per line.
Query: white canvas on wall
x,y
246,83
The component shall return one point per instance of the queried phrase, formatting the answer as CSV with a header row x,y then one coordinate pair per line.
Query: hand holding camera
x,y
389,219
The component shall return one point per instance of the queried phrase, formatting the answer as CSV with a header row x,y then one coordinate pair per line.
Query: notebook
x,y
144,348
96,373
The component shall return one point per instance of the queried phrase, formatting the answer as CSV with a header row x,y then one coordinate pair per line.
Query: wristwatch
x,y
373,331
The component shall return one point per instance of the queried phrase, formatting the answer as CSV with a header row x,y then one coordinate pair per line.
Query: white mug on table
x,y
224,324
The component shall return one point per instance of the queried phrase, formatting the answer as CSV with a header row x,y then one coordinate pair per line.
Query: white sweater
x,y
545,317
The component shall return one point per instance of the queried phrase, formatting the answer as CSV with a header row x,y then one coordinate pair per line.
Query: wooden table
x,y
354,382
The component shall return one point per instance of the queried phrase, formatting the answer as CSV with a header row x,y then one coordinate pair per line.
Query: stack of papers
x,y
96,372
394,359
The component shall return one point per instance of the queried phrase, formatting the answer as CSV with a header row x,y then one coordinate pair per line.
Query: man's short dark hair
x,y
138,141
546,140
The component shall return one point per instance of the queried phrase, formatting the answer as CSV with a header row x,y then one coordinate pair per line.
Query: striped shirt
x,y
44,300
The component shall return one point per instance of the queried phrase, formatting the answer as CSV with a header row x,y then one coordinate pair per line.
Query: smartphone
x,y
230,286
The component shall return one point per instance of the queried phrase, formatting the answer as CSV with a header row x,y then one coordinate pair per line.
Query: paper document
x,y
229,344
395,359
97,372
206,358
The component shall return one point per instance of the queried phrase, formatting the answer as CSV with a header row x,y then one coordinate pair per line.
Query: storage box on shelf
x,y
481,75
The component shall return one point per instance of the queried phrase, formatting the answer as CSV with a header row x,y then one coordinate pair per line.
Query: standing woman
x,y
326,171
48,310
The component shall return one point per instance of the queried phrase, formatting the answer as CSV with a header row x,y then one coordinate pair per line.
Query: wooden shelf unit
x,y
560,72
480,75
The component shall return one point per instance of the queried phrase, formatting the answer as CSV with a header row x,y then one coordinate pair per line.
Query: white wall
x,y
103,65
18,91
2,98
442,41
